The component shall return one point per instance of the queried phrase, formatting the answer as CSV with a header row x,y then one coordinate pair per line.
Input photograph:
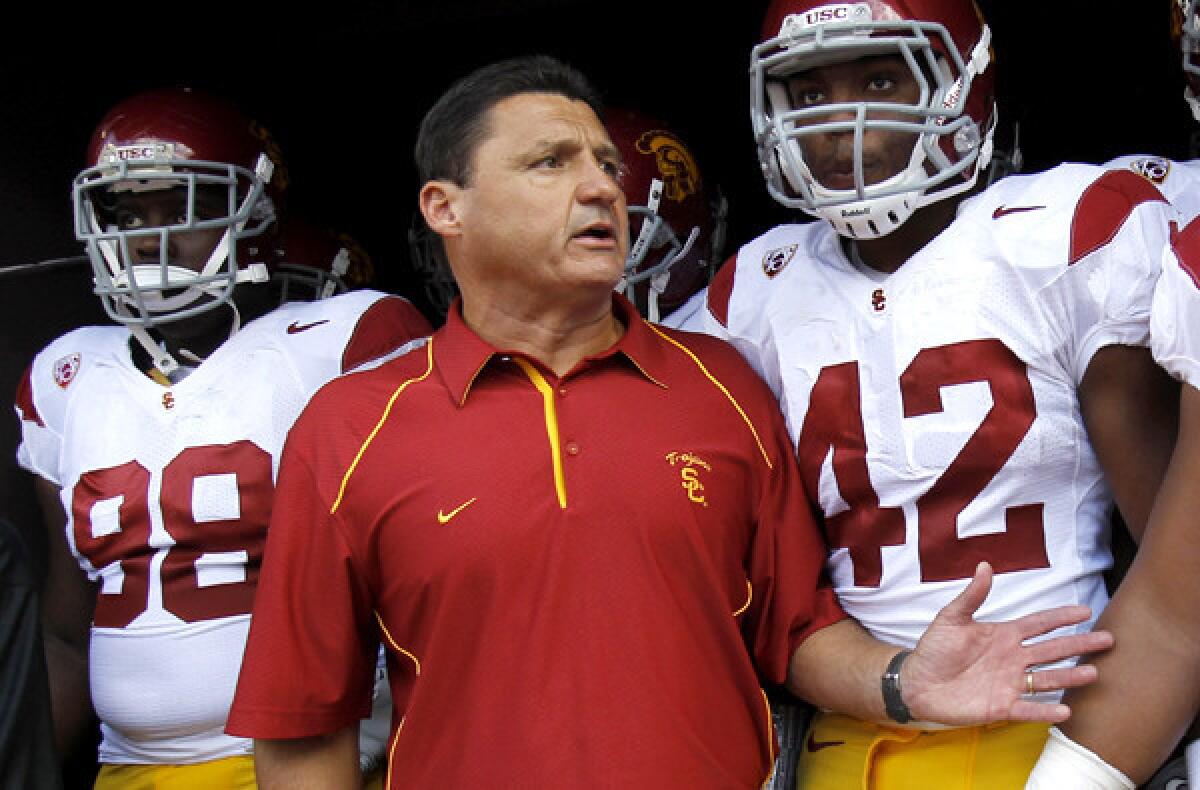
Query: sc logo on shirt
x,y
690,467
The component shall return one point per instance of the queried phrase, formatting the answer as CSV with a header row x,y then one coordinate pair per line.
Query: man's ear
x,y
439,201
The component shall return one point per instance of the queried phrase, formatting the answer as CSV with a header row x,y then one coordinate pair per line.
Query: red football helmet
x,y
676,231
1185,30
221,175
309,262
947,47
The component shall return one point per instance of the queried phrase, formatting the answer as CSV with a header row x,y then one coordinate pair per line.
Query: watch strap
x,y
893,699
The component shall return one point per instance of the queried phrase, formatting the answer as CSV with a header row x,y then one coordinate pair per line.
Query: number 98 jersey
x,y
934,410
168,491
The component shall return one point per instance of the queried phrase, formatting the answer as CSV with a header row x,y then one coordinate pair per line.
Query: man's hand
x,y
968,672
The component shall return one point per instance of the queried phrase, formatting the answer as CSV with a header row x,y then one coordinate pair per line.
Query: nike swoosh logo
x,y
444,518
1004,211
814,745
295,327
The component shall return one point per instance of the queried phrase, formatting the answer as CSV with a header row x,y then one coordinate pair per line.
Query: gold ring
x,y
1029,681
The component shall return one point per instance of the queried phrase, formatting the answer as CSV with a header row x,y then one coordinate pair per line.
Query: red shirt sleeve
x,y
310,656
787,564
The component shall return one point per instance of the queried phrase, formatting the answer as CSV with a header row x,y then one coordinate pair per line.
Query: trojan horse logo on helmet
x,y
680,175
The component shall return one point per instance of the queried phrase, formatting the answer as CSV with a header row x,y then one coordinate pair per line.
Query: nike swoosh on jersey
x,y
296,327
444,518
813,745
1004,211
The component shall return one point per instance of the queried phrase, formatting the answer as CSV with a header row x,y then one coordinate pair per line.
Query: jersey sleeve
x,y
41,445
730,315
1175,315
1120,225
310,658
387,328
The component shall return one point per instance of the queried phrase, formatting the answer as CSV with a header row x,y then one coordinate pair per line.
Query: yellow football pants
x,y
842,753
230,773
235,773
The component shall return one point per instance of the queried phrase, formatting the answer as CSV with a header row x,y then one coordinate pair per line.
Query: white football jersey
x,y
689,316
168,491
1179,182
934,409
1175,316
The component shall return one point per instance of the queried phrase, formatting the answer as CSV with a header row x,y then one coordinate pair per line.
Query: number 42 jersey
x,y
168,491
934,410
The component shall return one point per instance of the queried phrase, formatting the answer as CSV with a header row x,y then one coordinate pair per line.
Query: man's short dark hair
x,y
457,123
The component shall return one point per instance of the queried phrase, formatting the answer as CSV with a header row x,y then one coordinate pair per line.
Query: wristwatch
x,y
893,700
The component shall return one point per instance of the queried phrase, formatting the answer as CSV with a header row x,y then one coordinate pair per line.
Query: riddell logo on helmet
x,y
134,153
856,212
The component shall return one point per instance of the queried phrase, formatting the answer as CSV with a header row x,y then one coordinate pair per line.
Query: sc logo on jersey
x,y
690,467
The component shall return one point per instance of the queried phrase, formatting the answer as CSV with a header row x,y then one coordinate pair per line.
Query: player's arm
x,y
67,602
962,671
1149,689
322,762
1130,408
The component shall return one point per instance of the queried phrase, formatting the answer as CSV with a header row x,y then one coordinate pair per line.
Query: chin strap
x,y
166,364
657,287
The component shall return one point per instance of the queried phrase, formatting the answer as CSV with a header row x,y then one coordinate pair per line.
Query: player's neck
x,y
194,339
888,253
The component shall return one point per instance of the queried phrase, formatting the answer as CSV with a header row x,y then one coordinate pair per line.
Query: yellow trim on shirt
x,y
371,436
749,598
392,643
770,739
718,385
539,381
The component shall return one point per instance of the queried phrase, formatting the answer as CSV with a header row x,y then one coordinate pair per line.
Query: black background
x,y
343,86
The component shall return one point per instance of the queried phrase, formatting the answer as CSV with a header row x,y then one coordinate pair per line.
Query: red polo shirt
x,y
575,577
